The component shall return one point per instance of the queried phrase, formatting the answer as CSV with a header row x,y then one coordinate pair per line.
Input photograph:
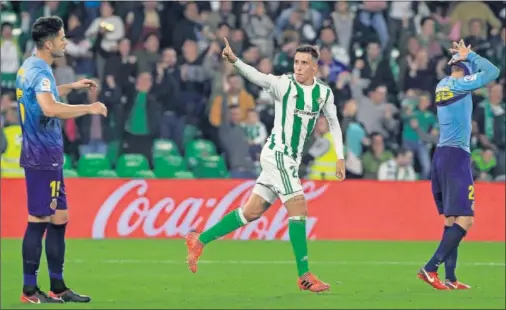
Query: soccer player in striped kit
x,y
300,97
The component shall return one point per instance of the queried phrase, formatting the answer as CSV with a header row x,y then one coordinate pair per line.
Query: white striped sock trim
x,y
241,216
297,218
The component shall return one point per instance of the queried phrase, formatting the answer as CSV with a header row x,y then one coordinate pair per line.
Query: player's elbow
x,y
49,111
495,73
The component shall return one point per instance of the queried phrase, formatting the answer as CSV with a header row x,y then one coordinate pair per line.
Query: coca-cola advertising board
x,y
350,210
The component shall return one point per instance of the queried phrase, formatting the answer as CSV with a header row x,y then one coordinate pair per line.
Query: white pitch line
x,y
273,262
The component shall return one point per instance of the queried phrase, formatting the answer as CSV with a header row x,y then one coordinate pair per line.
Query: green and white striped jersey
x,y
297,108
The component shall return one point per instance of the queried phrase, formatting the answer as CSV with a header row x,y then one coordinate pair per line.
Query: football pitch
x,y
152,274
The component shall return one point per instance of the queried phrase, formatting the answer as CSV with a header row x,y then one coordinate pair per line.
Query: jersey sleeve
x,y
330,112
487,73
42,81
278,86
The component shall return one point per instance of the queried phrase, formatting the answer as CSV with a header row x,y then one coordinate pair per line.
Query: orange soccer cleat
x,y
432,279
309,282
457,285
195,248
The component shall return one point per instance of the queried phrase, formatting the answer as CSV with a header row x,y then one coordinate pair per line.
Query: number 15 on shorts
x,y
55,188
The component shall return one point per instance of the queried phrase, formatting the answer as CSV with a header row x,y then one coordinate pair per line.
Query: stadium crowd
x,y
162,77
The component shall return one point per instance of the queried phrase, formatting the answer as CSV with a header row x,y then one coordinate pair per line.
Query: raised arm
x,y
487,73
254,76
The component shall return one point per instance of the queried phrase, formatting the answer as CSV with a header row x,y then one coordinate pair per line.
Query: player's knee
x,y
60,217
296,206
465,222
39,219
254,208
449,221
251,215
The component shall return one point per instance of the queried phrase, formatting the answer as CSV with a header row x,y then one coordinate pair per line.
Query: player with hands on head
x,y
300,97
451,173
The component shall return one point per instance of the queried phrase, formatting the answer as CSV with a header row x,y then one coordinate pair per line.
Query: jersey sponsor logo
x,y
54,204
306,113
469,78
45,84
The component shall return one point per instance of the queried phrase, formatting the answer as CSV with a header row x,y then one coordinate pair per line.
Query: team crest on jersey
x,y
53,204
45,84
469,78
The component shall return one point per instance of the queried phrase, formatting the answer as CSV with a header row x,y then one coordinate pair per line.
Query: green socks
x,y
297,232
226,225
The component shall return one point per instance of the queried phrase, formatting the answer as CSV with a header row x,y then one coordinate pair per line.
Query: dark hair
x,y
309,49
6,24
401,151
46,28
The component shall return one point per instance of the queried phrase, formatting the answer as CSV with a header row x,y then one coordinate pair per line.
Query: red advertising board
x,y
350,210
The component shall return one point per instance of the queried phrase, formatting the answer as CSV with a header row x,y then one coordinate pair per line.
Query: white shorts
x,y
279,177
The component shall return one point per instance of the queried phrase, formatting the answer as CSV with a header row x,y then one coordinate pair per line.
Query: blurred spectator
x,y
420,74
418,118
329,67
259,27
328,39
79,47
255,134
234,141
10,145
174,110
224,14
484,164
142,116
63,73
463,12
194,76
375,113
355,137
10,58
234,95
148,56
141,22
111,28
342,20
477,37
283,61
187,28
491,120
91,127
301,18
374,157
399,168
322,153
375,68
371,15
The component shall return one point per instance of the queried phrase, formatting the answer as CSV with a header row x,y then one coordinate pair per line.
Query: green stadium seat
x,y
163,147
190,133
211,167
107,173
70,173
144,174
129,164
67,162
113,148
90,164
198,149
167,166
184,175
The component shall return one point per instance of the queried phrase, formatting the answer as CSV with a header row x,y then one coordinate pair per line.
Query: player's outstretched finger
x,y
226,42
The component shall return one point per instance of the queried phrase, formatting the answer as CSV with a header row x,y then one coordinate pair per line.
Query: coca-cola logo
x,y
181,217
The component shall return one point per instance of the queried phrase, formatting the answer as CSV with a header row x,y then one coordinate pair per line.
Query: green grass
x,y
124,274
